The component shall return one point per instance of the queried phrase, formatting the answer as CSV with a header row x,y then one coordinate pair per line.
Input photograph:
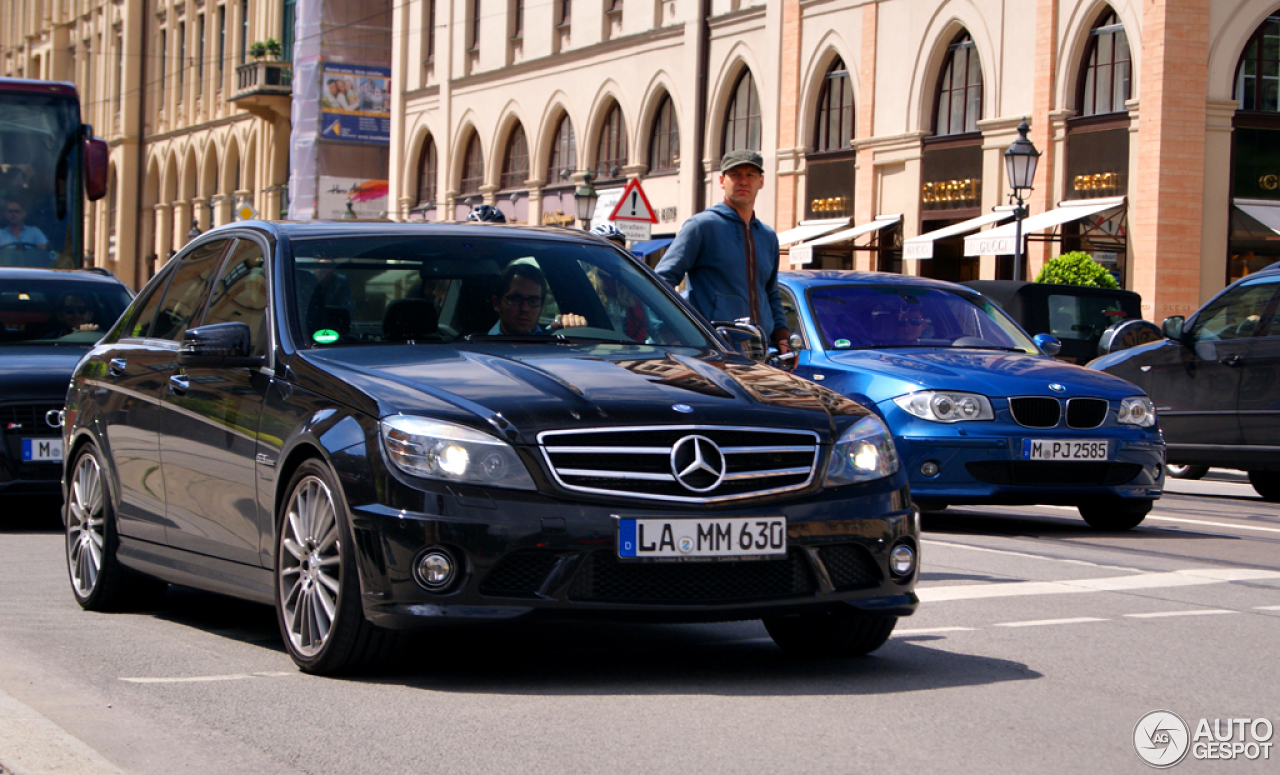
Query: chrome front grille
x,y
682,464
29,419
1035,411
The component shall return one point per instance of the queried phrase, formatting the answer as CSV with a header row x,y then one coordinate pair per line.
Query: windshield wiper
x,y
517,338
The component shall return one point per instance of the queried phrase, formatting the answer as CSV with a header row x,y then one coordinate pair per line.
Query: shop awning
x,y
1263,211
803,254
643,249
922,246
810,229
1000,240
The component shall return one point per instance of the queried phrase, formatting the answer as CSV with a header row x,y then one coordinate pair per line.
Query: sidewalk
x,y
31,744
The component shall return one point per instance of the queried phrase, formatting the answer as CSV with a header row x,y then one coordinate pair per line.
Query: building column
x,y
1045,193
164,233
181,223
1215,236
790,150
1167,196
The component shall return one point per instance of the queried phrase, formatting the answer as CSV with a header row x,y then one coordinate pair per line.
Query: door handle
x,y
178,384
1232,360
116,367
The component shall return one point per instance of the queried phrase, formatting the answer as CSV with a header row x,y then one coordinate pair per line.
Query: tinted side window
x,y
138,322
1240,313
789,309
240,293
182,299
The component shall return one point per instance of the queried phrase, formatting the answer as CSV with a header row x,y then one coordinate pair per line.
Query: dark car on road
x,y
979,413
1215,380
50,318
333,419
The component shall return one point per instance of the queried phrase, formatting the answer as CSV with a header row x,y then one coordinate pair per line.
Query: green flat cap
x,y
738,158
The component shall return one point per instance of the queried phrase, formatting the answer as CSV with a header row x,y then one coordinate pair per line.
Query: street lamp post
x,y
585,199
195,229
1020,160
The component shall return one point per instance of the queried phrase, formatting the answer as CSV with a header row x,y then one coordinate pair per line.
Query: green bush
x,y
1076,268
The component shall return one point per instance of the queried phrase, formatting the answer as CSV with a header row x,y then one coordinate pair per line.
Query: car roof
x,y
89,275
815,278
312,229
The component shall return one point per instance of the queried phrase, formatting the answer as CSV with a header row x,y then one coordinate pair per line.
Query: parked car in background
x,y
1088,321
50,318
980,414
1215,380
335,419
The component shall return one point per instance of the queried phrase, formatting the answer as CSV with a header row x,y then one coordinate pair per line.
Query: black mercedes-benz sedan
x,y
49,318
378,427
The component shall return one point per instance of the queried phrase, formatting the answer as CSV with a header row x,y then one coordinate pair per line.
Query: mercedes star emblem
x,y
697,463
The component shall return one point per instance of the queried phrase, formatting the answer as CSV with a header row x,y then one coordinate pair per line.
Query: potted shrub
x,y
1076,268
257,50
273,48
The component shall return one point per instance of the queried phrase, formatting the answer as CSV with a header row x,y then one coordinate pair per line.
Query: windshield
x,y
39,181
59,311
448,288
851,317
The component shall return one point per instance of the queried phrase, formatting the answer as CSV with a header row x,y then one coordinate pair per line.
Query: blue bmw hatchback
x,y
979,412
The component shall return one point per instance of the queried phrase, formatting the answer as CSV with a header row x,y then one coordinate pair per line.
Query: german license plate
x,y
672,539
1065,449
42,450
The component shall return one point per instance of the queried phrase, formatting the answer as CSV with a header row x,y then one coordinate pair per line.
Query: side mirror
x,y
1048,344
1172,327
95,165
218,344
795,342
745,337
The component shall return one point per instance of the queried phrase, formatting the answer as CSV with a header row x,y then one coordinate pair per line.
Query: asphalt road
x,y
1039,646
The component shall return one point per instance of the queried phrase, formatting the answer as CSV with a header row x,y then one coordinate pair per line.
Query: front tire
x,y
98,581
317,583
1187,472
1112,515
1266,484
840,632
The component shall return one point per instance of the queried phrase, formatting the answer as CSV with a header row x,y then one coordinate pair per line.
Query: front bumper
x,y
528,554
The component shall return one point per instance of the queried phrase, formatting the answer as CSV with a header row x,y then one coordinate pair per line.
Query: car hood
x,y
37,372
993,373
528,390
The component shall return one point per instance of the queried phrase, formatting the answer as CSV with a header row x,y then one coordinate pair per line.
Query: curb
x,y
31,744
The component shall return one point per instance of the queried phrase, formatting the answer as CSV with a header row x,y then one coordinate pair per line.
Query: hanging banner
x,y
355,103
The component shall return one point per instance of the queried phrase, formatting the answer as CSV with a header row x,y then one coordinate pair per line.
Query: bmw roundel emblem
x,y
1055,387
682,408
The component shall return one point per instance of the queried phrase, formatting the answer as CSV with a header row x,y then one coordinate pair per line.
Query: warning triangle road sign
x,y
633,205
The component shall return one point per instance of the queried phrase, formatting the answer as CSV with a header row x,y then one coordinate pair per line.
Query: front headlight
x,y
1137,410
865,452
946,406
442,450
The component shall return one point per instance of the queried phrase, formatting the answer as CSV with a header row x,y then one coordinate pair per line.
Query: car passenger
x,y
74,313
519,302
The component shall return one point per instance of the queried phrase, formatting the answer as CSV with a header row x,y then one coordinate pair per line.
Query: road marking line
x,y
1159,614
1213,524
1267,608
932,630
1181,578
1011,553
207,678
1040,622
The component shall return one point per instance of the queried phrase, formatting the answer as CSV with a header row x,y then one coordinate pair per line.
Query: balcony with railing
x,y
264,84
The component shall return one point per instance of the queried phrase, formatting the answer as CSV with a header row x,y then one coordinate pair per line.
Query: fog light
x,y
929,468
902,560
435,570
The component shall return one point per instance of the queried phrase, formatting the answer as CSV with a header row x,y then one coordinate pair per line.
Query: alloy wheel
x,y
310,566
86,526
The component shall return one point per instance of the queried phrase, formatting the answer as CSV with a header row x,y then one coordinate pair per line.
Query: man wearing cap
x,y
730,256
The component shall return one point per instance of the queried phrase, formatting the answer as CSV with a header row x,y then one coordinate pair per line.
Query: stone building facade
x,y
882,122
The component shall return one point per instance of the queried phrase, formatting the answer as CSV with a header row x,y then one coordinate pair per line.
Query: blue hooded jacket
x,y
711,248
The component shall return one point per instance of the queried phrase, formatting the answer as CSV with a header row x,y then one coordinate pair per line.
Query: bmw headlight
x,y
865,452
946,406
1137,410
442,450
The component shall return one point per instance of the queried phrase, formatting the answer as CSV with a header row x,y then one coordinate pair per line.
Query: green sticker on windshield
x,y
325,336
841,344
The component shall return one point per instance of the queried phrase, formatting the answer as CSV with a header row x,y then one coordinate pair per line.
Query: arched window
x,y
1258,76
664,139
472,167
515,162
611,150
1107,69
564,153
834,130
960,90
427,169
742,116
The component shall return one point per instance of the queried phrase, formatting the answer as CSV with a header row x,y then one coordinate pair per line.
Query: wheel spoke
x,y
323,611
329,582
294,549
